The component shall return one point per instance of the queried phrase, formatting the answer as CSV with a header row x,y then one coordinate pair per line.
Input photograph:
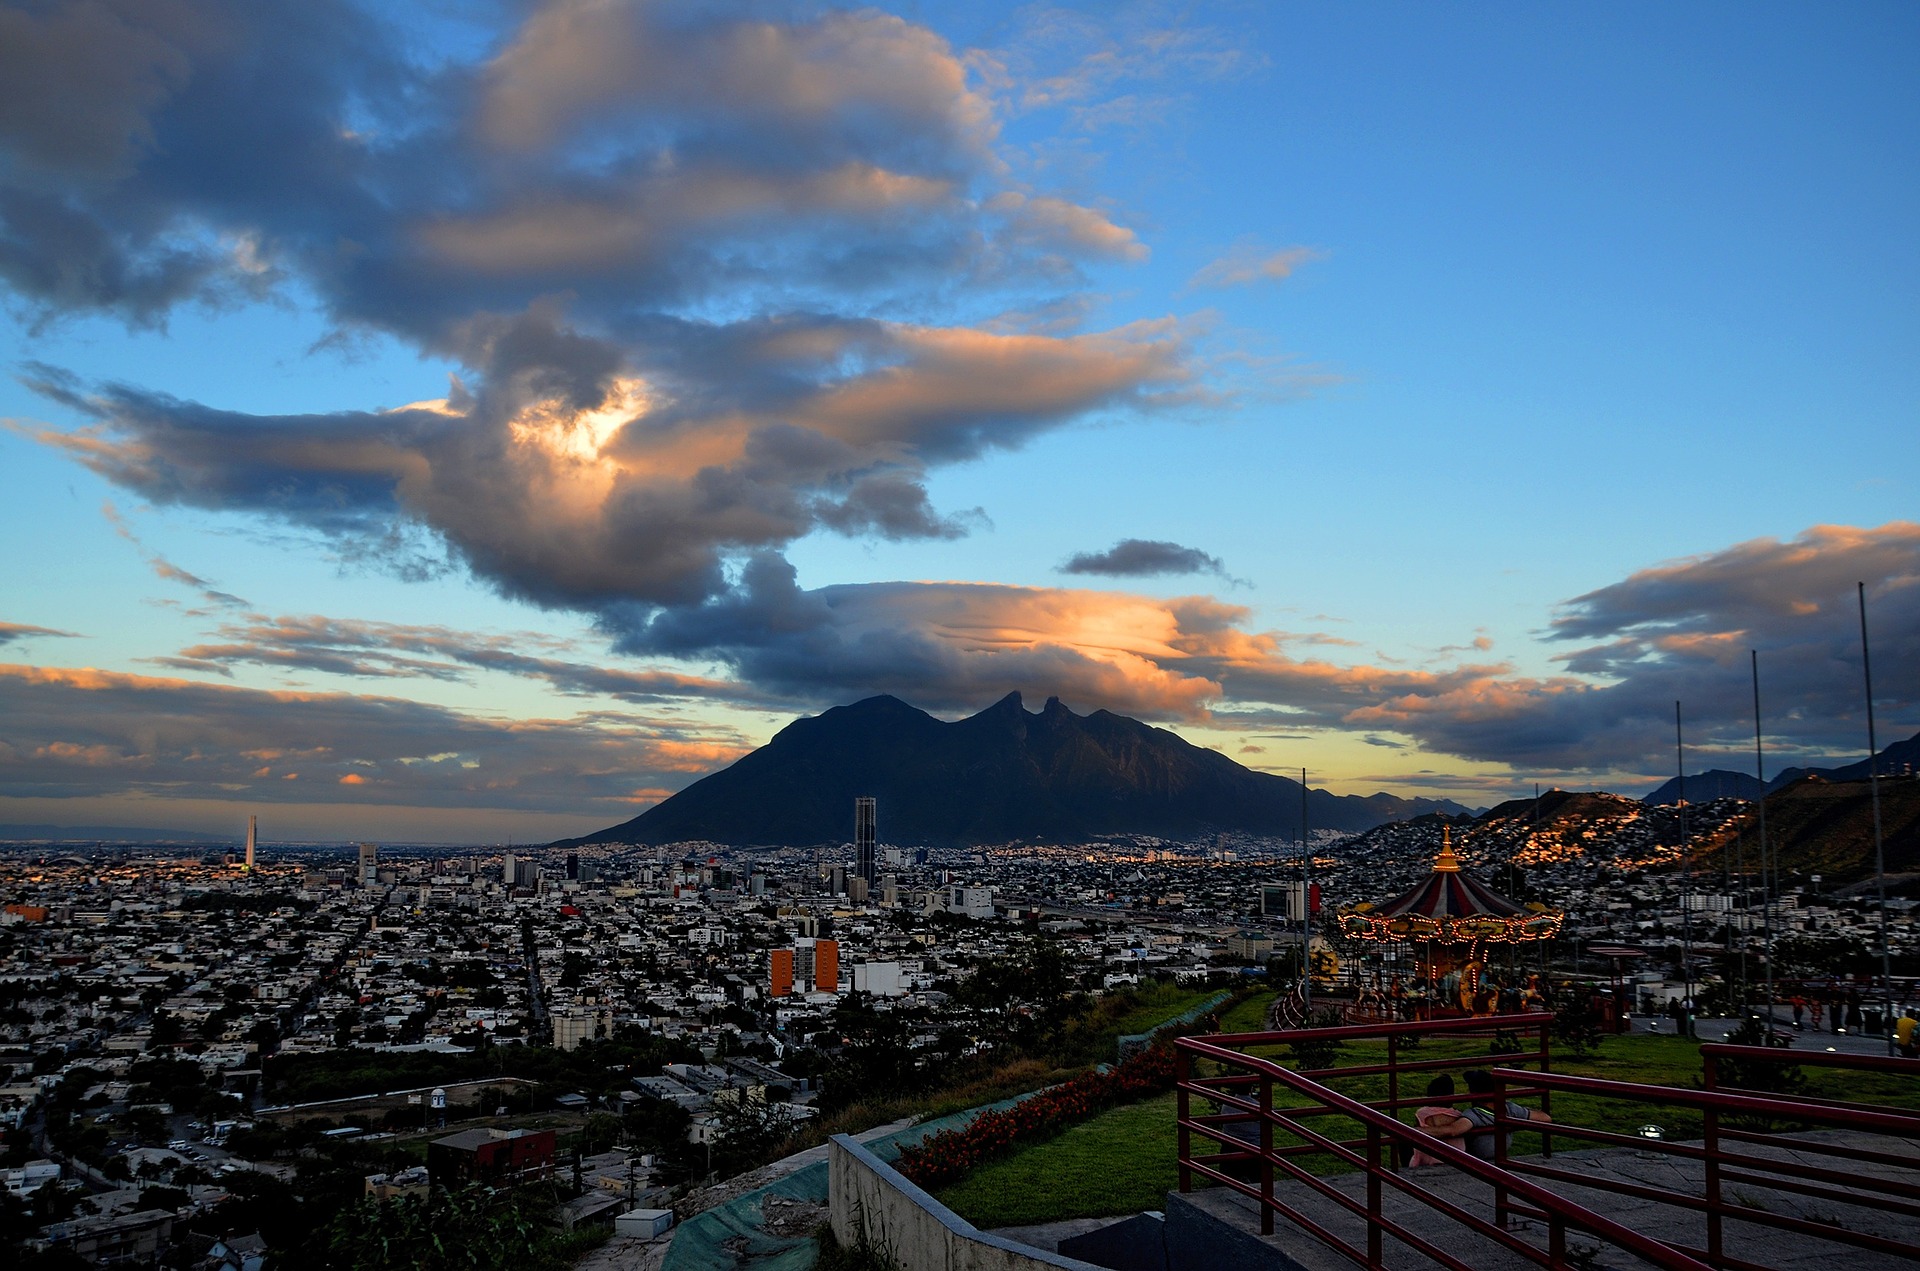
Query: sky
x,y
474,422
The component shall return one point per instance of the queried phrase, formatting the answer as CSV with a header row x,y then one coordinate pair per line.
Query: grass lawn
x,y
1157,1004
1122,1161
1248,1016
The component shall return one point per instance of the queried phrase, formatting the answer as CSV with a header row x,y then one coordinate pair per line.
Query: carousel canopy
x,y
1450,892
1451,906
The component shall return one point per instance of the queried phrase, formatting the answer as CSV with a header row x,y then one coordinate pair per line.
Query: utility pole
x,y
1879,850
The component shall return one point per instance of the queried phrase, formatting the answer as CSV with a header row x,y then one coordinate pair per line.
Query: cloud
x,y
166,569
91,734
12,632
569,479
1251,263
1141,558
396,651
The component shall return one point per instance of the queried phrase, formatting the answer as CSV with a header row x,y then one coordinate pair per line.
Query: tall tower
x,y
369,859
253,833
866,823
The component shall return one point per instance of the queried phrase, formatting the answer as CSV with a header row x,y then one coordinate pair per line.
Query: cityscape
x,y
1034,635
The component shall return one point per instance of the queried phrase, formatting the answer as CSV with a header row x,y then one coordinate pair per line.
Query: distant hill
x,y
1004,775
1816,826
1898,758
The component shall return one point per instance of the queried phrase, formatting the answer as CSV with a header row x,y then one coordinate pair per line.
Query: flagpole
x,y
1686,878
1766,877
1306,902
1879,850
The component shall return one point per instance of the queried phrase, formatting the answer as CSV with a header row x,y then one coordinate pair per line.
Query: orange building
x,y
780,972
826,966
28,913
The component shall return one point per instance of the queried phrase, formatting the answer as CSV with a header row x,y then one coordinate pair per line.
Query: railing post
x,y
1556,1241
1393,1074
1500,1215
1710,1079
1183,1071
1266,1154
1375,1244
1546,1096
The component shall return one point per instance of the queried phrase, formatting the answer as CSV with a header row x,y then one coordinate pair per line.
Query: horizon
x,y
534,410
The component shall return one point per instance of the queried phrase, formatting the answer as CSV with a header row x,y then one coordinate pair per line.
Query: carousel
x,y
1448,924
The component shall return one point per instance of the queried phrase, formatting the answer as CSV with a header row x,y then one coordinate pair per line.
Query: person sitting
x,y
1439,1118
1481,1086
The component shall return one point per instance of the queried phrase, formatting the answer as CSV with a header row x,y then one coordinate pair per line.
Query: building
x,y
369,864
858,890
509,871
138,1238
253,833
780,973
1283,900
972,902
498,1158
866,825
1249,946
816,963
881,979
581,1024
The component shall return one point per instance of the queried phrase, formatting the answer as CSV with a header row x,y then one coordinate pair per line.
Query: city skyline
x,y
479,424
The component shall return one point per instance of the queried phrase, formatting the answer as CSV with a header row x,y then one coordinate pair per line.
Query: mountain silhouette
x,y
1004,775
1898,758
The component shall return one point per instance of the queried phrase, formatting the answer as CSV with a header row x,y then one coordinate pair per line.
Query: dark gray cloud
x,y
11,632
386,650
1144,558
89,734
673,247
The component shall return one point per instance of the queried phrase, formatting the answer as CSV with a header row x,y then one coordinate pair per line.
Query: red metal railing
x,y
1722,1165
1245,1157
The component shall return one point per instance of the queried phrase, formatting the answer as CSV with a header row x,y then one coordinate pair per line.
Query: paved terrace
x,y
1239,1243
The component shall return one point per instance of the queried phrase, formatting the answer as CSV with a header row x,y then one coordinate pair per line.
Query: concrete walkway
x,y
1293,1249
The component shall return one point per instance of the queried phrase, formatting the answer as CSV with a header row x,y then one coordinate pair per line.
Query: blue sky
x,y
1583,335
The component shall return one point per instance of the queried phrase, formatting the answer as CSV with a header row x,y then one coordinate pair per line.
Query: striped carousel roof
x,y
1449,892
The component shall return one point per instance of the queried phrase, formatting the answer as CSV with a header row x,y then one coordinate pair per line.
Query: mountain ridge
x,y
1721,783
1003,775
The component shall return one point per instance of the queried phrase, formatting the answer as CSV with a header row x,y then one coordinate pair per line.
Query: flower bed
x,y
950,1154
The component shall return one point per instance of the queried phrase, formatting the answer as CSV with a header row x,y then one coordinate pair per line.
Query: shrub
x,y
1310,1053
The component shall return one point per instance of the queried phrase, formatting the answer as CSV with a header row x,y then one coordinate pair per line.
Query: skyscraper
x,y
866,823
509,874
369,864
253,832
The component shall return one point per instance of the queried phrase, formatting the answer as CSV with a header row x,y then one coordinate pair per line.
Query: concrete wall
x,y
868,1196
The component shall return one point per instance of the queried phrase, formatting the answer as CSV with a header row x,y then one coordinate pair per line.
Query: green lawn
x,y
1122,1161
1248,1016
1157,1004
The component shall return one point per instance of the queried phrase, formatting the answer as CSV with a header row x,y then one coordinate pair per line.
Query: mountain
x,y
1003,775
1717,783
1816,826
1897,758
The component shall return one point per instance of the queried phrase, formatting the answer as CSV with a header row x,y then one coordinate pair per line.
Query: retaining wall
x,y
870,1199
